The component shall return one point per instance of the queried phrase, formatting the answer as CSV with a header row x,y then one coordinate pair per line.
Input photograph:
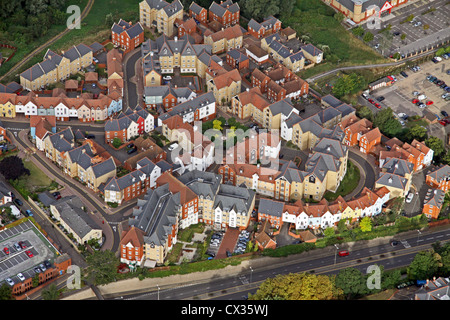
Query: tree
x,y
116,142
351,281
417,132
6,292
298,286
217,125
424,266
346,84
102,267
366,224
329,232
358,31
13,168
51,293
364,112
368,36
109,19
259,9
436,144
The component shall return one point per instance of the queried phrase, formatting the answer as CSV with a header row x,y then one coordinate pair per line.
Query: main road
x,y
319,261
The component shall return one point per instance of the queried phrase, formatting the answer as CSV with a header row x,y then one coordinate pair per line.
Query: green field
x,y
314,22
93,28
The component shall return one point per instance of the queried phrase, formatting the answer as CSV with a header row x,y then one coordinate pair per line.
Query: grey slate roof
x,y
398,166
434,197
440,174
232,197
70,209
202,183
104,167
271,207
332,101
320,163
392,180
283,106
195,8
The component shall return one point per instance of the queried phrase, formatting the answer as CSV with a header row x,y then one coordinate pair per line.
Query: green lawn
x,y
315,20
348,184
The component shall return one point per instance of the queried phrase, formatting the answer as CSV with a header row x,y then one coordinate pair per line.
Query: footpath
x,y
135,286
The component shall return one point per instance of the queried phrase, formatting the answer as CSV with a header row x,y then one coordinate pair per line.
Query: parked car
x,y
21,276
56,195
403,73
443,122
18,202
380,98
130,151
444,113
18,247
6,250
29,254
47,264
28,213
429,102
172,147
409,197
37,270
9,281
42,267
415,101
394,243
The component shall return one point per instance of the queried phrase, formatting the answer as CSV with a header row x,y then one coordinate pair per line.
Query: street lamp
x,y
251,273
418,234
335,253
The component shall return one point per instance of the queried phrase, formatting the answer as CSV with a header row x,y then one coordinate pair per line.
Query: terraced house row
x,y
176,204
56,67
88,162
322,214
83,108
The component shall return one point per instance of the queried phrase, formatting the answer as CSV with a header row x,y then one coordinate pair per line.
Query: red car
x,y
6,250
415,101
29,254
378,105
443,122
343,253
371,101
429,103
22,244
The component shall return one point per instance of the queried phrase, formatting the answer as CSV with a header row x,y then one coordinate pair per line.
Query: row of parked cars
x,y
242,242
37,269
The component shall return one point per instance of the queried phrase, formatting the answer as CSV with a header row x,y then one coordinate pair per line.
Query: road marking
x,y
405,244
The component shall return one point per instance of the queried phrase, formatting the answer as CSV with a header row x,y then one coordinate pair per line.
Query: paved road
x,y
129,67
319,261
85,12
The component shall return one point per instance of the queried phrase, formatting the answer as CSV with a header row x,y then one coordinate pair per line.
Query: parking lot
x,y
433,15
400,95
18,261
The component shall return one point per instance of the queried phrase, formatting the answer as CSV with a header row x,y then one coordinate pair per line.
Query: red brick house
x,y
275,92
226,13
370,140
260,80
199,13
126,35
439,178
186,27
268,26
237,59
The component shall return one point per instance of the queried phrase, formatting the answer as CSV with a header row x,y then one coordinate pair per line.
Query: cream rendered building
x,y
161,14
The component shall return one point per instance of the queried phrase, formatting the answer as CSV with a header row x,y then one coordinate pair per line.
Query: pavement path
x,y
369,66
